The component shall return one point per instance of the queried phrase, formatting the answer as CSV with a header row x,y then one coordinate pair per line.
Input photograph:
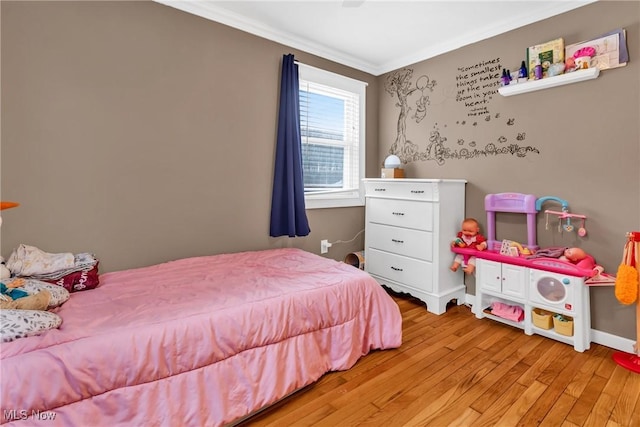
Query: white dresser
x,y
410,224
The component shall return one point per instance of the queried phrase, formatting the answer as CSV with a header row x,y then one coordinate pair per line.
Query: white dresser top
x,y
414,180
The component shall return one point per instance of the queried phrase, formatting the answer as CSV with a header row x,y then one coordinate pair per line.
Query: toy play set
x,y
546,290
529,255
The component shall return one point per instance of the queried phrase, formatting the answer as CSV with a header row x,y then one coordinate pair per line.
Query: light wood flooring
x,y
456,370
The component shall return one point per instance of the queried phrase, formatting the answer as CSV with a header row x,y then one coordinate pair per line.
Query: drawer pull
x,y
417,191
397,241
395,268
398,213
379,189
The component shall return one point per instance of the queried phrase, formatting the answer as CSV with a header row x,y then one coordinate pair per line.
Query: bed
x,y
201,341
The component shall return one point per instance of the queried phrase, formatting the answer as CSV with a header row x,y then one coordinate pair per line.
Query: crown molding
x,y
209,10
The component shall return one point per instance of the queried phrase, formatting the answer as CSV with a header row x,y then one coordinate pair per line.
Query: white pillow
x,y
24,323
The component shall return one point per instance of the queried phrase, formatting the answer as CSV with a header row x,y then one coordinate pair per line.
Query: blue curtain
x,y
288,214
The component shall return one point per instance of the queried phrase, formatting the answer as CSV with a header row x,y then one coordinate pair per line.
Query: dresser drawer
x,y
401,213
403,241
402,189
409,271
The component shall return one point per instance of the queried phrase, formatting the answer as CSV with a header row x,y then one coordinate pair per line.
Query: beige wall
x,y
584,141
144,134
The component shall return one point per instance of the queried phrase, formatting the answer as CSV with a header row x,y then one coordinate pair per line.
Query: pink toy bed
x,y
197,342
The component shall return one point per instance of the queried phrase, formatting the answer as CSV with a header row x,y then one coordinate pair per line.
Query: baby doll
x,y
581,259
468,237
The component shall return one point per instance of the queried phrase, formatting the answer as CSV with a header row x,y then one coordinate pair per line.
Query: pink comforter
x,y
196,342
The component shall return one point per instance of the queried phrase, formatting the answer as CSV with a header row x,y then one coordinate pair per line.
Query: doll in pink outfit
x,y
468,237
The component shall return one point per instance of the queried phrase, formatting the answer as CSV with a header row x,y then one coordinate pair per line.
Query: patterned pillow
x,y
58,294
24,323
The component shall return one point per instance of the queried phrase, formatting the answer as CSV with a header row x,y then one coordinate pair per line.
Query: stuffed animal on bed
x,y
24,302
13,297
24,309
5,273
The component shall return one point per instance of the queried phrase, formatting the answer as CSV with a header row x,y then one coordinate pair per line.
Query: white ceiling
x,y
376,36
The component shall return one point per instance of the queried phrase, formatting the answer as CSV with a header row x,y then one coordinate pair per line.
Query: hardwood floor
x,y
456,370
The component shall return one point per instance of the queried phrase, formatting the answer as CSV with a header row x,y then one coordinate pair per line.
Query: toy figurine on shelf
x,y
468,237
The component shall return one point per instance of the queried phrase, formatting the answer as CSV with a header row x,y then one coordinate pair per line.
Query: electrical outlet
x,y
324,246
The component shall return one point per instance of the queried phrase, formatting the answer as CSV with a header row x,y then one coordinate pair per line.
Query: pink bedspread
x,y
196,342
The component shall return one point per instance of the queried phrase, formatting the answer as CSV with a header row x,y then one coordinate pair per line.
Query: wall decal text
x,y
476,85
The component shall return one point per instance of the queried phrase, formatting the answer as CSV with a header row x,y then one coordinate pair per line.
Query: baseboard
x,y
598,337
469,299
612,341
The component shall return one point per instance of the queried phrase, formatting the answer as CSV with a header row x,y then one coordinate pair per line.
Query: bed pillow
x,y
16,324
58,294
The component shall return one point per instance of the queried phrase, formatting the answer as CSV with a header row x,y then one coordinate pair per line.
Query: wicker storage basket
x,y
542,319
563,326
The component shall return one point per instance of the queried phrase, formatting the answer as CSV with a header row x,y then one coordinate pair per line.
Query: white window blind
x,y
332,130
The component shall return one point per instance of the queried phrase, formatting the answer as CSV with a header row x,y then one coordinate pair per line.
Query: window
x,y
332,119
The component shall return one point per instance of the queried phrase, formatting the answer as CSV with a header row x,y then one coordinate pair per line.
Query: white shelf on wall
x,y
549,82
